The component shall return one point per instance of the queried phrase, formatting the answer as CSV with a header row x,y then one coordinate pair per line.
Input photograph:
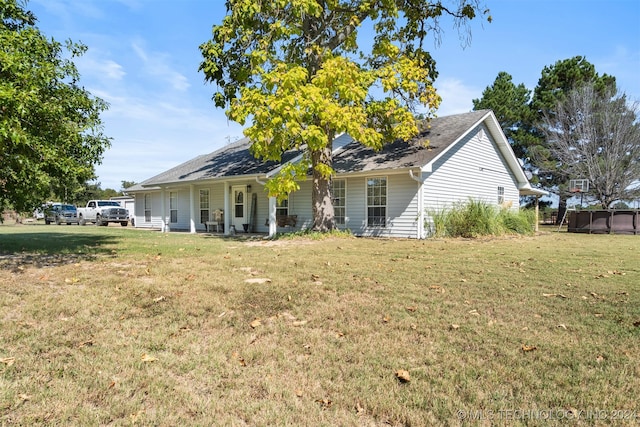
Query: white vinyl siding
x,y
474,169
401,207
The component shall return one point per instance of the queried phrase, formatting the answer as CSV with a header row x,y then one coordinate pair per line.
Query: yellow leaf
x,y
255,323
526,348
147,358
403,376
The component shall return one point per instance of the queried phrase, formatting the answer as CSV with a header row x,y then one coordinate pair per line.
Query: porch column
x,y
227,208
192,221
163,210
272,217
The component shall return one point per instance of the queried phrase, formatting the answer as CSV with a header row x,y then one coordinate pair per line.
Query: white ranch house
x,y
376,193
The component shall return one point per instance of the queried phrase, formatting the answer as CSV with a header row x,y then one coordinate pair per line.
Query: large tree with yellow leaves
x,y
303,71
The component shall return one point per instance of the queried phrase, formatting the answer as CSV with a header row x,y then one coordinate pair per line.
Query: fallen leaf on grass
x,y
386,319
134,417
299,393
8,361
554,295
474,313
257,281
239,358
527,348
403,376
412,309
454,327
255,323
159,299
24,396
599,359
562,325
147,358
325,403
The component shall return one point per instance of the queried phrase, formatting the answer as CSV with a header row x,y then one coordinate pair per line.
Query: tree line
x,y
575,124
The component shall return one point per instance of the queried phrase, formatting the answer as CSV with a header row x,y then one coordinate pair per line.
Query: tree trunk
x,y
562,208
323,214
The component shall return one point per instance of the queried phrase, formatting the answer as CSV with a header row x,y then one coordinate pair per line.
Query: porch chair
x,y
217,223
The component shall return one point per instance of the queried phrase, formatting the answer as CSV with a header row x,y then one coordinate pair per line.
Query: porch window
x,y
173,207
339,193
500,195
147,208
377,202
282,207
204,206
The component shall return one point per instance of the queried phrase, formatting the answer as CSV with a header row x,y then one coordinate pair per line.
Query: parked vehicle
x,y
39,212
61,213
102,212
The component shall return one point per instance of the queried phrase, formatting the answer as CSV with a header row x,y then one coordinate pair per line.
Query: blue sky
x,y
143,60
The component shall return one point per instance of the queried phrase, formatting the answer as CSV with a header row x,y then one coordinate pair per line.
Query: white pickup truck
x,y
102,212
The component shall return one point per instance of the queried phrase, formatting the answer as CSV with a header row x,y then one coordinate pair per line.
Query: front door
x,y
239,207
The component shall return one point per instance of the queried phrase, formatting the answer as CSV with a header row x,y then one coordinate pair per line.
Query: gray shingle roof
x,y
230,161
236,160
443,132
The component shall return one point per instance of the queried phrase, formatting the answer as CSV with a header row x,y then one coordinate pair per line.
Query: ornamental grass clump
x,y
476,218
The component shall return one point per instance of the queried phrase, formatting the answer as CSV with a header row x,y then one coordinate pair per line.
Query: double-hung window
x,y
282,207
500,195
377,202
173,207
147,208
339,193
204,206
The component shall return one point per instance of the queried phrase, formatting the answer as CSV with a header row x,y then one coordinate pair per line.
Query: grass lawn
x,y
116,326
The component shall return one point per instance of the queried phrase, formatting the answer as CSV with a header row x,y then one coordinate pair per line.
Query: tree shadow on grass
x,y
18,250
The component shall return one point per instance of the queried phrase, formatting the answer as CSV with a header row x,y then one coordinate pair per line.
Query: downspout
x,y
192,221
420,181
163,194
537,226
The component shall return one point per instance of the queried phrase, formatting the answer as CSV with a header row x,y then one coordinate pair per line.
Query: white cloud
x,y
456,96
157,65
90,65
